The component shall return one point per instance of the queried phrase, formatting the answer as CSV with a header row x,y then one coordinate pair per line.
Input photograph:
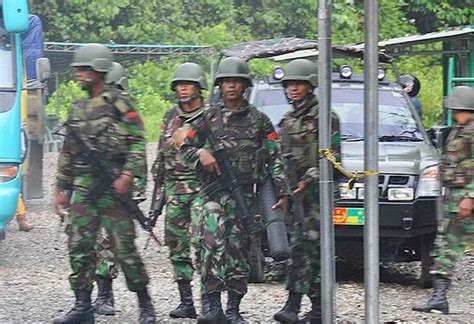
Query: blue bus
x,y
13,22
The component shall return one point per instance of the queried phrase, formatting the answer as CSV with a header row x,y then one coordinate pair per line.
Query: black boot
x,y
147,312
438,302
212,310
104,304
289,312
81,313
232,313
313,316
186,308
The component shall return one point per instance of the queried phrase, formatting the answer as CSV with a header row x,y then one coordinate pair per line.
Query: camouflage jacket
x,y
250,142
111,126
458,165
169,165
299,137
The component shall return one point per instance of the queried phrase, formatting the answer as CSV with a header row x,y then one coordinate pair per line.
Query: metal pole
x,y
325,176
56,84
371,204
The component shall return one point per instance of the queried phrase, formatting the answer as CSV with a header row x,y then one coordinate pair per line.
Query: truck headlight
x,y
8,171
400,194
347,193
429,183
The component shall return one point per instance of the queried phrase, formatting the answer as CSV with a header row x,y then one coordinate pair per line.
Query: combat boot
x,y
232,313
212,310
104,304
23,223
289,312
147,311
81,313
186,308
314,316
438,301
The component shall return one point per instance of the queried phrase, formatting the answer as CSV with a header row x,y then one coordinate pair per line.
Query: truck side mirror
x,y
43,69
438,135
15,16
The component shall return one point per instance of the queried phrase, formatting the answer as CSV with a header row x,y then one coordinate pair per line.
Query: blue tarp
x,y
32,42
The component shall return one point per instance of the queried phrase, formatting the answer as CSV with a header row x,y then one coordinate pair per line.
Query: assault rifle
x,y
105,180
228,178
158,201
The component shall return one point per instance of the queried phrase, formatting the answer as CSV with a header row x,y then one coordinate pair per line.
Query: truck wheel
x,y
256,259
426,246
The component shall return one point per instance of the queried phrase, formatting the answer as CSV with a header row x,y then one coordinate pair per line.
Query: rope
x,y
352,176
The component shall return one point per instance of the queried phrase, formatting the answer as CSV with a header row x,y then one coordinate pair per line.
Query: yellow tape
x,y
352,176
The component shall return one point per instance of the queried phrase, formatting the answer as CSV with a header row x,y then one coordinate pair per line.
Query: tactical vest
x,y
243,130
97,122
458,168
299,137
175,168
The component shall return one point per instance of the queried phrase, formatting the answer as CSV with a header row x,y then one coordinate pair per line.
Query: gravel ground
x,y
34,288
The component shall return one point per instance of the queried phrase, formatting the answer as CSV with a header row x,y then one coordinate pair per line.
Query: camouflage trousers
x,y
452,239
224,246
181,231
106,263
86,219
304,267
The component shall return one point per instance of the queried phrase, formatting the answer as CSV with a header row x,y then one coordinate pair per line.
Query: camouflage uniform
x,y
183,202
301,127
457,229
109,124
250,142
457,172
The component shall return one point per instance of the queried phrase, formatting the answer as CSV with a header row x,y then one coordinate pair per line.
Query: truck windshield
x,y
6,61
273,103
396,121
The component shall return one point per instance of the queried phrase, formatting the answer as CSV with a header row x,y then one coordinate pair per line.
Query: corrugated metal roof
x,y
457,32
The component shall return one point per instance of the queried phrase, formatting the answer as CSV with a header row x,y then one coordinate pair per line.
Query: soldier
x,y
299,129
180,181
458,178
106,122
106,269
250,145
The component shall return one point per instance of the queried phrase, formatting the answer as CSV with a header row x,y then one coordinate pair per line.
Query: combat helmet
x,y
301,70
94,55
462,98
116,76
233,67
189,72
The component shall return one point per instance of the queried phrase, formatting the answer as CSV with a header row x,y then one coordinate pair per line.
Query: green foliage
x,y
61,100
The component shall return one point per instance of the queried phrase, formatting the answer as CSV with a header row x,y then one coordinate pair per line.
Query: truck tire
x,y
426,245
256,259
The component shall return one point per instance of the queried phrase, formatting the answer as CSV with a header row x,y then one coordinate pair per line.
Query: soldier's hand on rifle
x,y
299,188
60,202
208,161
282,203
122,183
465,207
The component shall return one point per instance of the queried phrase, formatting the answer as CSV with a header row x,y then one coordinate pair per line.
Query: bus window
x,y
6,61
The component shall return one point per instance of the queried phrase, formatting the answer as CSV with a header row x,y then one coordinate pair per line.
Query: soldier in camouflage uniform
x,y
250,144
106,269
457,173
108,123
299,129
180,181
